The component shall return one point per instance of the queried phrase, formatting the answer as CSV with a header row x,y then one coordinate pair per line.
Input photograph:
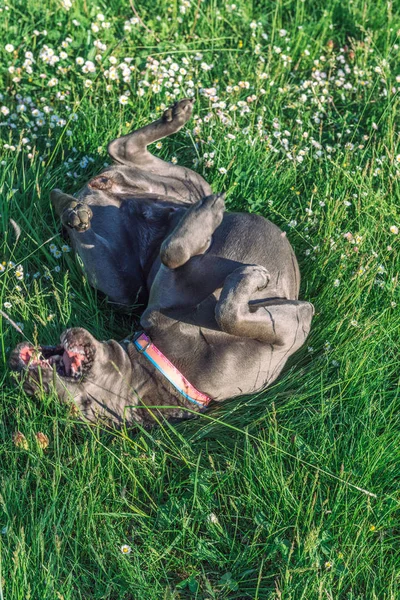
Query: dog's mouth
x,y
68,362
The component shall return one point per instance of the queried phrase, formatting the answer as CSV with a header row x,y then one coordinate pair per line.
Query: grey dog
x,y
220,289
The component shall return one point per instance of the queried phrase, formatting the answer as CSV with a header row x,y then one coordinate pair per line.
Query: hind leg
x,y
276,321
131,150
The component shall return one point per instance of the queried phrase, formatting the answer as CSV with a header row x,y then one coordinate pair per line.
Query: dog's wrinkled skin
x,y
221,288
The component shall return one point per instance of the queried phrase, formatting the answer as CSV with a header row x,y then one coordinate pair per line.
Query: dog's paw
x,y
254,277
180,112
77,216
79,351
214,203
260,276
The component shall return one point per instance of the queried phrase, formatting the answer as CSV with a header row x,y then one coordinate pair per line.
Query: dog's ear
x,y
60,200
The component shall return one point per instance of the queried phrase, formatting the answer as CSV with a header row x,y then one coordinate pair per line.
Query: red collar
x,y
145,346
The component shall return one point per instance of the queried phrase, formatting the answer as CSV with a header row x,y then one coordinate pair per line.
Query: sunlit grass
x,y
291,494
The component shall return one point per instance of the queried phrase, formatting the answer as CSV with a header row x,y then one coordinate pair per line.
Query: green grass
x,y
291,494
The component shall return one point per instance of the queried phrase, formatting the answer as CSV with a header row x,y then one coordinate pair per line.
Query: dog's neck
x,y
128,386
153,390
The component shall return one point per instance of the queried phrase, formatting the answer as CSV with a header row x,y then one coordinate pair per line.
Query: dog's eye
x,y
100,183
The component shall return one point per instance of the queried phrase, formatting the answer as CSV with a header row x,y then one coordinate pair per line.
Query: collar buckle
x,y
140,349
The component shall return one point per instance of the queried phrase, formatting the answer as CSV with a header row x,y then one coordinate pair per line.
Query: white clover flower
x,y
79,60
9,48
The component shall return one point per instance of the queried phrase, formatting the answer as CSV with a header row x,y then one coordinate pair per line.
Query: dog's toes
x,y
179,112
256,276
80,350
77,216
215,202
261,277
167,116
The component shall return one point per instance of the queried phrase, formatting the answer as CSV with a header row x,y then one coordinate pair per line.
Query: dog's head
x,y
92,375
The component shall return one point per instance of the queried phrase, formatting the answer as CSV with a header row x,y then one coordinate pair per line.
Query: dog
x,y
220,289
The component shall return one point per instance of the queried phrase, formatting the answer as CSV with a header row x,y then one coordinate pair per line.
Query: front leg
x,y
277,321
106,264
193,234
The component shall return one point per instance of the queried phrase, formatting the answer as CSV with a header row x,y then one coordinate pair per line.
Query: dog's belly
x,y
243,366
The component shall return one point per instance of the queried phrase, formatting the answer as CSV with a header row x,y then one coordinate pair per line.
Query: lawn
x,y
290,494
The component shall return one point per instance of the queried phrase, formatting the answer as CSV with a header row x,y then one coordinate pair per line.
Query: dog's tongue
x,y
72,362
